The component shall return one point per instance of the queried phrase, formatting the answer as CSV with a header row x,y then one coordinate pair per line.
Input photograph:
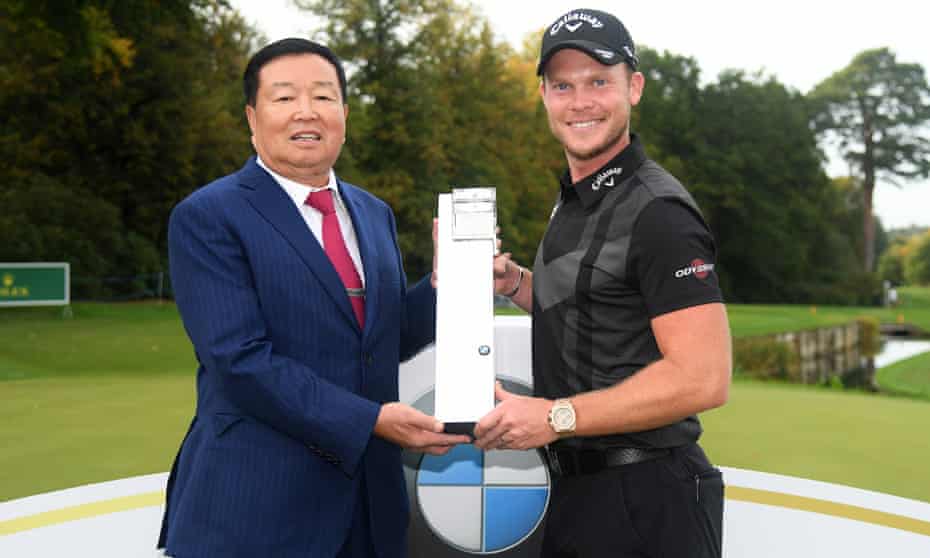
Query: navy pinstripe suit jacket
x,y
288,387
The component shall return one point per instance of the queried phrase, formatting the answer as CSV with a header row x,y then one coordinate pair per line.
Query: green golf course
x,y
108,393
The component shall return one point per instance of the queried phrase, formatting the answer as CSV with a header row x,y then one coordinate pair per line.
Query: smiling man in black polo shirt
x,y
630,334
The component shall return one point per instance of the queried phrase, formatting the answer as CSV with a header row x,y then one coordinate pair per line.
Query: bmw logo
x,y
469,502
482,502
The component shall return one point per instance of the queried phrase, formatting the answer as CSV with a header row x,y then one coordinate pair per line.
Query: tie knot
x,y
322,201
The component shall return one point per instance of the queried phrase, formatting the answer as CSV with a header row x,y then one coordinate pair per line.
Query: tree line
x,y
907,260
114,111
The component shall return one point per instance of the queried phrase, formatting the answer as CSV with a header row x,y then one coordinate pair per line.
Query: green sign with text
x,y
35,284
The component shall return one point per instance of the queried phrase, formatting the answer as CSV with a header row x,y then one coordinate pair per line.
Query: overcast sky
x,y
799,42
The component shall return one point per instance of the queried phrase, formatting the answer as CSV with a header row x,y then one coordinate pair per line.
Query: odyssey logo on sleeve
x,y
698,268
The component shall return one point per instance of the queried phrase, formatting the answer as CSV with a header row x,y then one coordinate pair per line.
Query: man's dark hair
x,y
287,47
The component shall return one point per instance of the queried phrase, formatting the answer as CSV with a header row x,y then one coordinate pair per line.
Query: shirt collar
x,y
592,188
298,192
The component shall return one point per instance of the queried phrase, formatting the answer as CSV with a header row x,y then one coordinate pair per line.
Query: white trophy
x,y
465,373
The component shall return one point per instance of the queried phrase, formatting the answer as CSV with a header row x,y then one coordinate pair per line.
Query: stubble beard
x,y
599,150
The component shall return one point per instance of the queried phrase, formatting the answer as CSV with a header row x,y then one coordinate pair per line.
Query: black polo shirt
x,y
624,245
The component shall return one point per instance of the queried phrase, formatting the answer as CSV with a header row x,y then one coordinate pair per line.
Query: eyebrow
x,y
291,84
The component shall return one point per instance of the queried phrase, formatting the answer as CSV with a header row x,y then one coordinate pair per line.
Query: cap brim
x,y
599,52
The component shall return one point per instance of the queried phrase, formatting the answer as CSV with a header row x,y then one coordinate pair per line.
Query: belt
x,y
571,462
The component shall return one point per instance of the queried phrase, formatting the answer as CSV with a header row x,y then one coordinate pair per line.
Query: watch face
x,y
563,417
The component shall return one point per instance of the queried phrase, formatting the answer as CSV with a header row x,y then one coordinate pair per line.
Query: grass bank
x,y
851,438
63,432
133,339
910,377
748,320
762,319
105,394
109,392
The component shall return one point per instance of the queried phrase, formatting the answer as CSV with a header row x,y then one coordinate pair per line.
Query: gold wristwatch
x,y
562,417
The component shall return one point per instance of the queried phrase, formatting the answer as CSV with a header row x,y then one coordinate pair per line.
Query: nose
x,y
306,108
581,99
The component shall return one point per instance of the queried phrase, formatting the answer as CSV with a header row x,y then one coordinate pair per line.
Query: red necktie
x,y
335,247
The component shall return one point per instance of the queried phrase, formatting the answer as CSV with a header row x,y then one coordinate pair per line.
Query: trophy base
x,y
466,428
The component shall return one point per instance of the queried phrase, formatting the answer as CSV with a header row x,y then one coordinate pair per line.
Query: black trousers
x,y
669,507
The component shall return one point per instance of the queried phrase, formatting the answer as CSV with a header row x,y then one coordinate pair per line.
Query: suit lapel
x,y
272,202
366,236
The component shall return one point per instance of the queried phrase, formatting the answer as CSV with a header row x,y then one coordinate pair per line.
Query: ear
x,y
345,121
250,116
637,84
542,90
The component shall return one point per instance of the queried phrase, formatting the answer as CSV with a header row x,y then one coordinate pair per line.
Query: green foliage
x,y
917,264
744,148
905,233
870,337
765,358
113,113
891,264
437,102
836,275
915,300
848,287
667,117
876,107
875,111
758,177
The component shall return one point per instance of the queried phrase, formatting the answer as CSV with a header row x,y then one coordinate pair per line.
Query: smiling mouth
x,y
582,124
306,137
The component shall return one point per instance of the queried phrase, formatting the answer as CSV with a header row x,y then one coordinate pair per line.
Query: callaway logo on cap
x,y
596,33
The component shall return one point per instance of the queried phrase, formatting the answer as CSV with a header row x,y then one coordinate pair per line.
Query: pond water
x,y
894,350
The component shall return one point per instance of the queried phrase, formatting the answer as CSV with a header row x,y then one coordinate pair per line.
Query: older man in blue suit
x,y
299,313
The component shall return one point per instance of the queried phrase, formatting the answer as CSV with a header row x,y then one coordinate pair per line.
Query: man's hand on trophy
x,y
506,273
411,429
518,422
503,273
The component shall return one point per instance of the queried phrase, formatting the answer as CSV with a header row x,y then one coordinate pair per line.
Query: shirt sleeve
x,y
673,258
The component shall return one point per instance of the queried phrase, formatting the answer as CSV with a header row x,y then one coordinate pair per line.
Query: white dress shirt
x,y
314,218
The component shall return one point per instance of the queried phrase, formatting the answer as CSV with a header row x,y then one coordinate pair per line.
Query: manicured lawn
x,y
105,394
62,432
99,339
867,441
909,377
109,393
761,319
